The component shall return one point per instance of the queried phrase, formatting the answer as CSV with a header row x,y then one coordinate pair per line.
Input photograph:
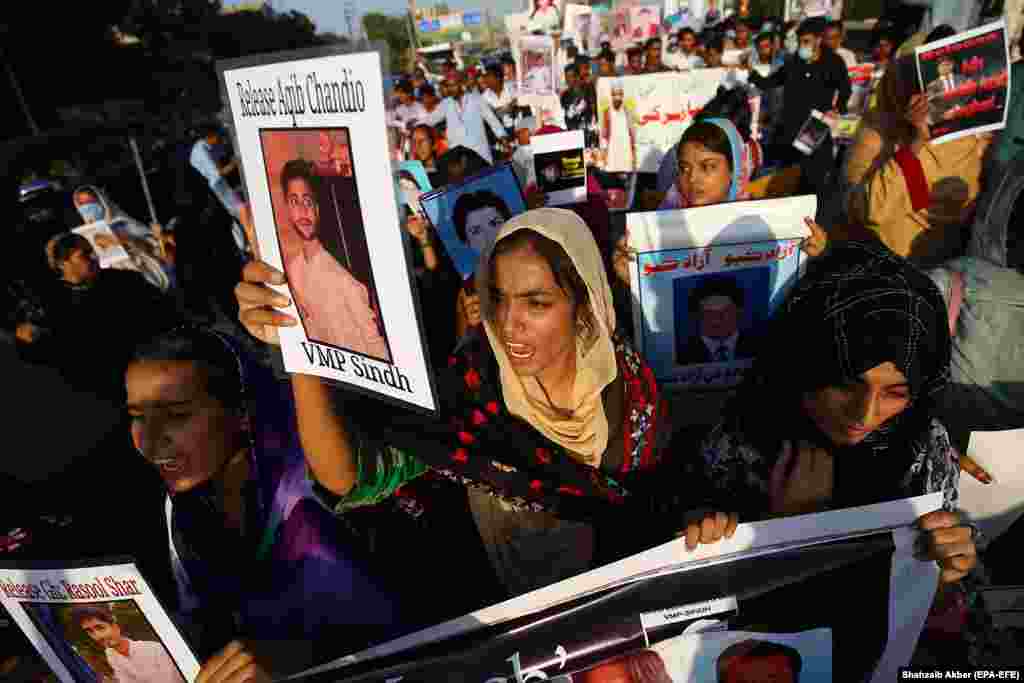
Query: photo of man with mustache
x,y
334,306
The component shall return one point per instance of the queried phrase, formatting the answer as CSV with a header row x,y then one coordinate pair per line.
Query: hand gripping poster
x,y
706,281
96,623
815,598
966,78
310,129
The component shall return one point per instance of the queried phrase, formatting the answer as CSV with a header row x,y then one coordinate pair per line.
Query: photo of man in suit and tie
x,y
942,106
717,303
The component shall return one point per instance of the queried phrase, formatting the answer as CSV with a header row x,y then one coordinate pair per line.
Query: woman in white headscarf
x,y
552,420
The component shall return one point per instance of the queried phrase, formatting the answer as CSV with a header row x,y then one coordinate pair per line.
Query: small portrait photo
x,y
719,317
105,641
560,167
642,666
645,22
536,65
413,182
322,239
468,216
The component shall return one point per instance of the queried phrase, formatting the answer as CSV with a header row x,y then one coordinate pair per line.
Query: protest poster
x,y
705,281
837,592
644,22
577,25
311,132
537,68
967,80
657,109
517,23
621,36
862,84
469,215
813,133
413,182
546,15
560,167
95,622
108,249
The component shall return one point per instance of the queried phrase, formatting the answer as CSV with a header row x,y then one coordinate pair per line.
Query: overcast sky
x,y
329,15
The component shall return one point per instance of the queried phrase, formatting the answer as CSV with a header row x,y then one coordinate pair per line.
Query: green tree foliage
x,y
392,30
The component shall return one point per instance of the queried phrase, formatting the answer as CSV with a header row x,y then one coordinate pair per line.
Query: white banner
x,y
659,108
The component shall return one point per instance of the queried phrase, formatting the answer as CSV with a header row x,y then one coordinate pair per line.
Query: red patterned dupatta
x,y
492,450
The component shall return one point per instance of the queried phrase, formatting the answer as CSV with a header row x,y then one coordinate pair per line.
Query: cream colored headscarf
x,y
585,433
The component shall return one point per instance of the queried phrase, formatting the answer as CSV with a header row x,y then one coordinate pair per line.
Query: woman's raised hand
x,y
814,245
708,527
917,116
257,303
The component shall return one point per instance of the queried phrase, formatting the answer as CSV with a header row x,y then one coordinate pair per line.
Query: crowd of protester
x,y
301,523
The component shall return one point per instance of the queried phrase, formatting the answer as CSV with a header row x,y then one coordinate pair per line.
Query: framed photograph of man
x,y
99,641
311,130
467,216
321,236
720,317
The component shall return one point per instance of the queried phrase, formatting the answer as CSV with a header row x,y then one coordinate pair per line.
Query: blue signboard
x,y
429,26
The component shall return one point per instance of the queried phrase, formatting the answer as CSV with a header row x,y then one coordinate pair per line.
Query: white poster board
x,y
706,281
311,135
79,617
660,108
994,507
561,168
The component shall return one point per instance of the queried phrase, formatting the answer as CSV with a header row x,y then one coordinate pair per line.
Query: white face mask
x,y
806,53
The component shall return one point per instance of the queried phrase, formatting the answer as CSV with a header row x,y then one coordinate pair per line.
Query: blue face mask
x,y
91,212
806,53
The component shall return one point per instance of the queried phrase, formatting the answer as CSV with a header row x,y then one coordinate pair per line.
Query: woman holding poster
x,y
916,196
248,545
553,420
845,417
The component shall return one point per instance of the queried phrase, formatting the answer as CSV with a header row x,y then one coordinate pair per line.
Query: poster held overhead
x,y
561,169
310,128
966,78
703,293
96,621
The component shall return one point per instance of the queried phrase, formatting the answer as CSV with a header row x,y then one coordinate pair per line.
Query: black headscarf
x,y
858,307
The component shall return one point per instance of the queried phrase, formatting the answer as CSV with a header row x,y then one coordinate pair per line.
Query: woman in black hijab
x,y
839,409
